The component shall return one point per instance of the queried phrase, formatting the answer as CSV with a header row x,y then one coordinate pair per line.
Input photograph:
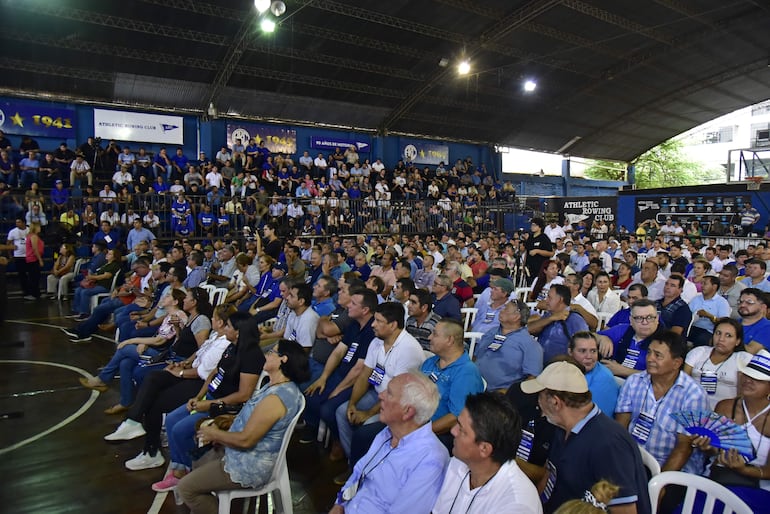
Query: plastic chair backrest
x,y
473,338
652,465
694,483
469,315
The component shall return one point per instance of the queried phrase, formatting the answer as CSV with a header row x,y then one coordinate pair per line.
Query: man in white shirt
x,y
17,237
393,352
482,475
554,231
151,220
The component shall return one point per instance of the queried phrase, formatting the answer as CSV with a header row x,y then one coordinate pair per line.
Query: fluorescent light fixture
x,y
569,144
262,5
267,25
464,67
530,85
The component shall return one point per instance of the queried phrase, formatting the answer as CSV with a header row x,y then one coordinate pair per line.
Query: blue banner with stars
x,y
32,119
420,152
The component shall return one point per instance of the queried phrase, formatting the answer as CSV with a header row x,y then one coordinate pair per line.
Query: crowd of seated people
x,y
366,309
242,187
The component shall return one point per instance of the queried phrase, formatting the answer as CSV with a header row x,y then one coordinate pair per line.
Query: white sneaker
x,y
145,461
127,430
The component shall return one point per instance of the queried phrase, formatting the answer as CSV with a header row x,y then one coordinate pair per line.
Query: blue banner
x,y
17,117
330,143
277,139
420,152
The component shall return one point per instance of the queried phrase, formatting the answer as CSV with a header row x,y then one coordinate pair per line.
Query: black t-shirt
x,y
359,336
534,262
273,248
321,347
235,360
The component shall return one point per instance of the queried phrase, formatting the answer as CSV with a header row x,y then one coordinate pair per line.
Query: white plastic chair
x,y
75,273
649,462
695,483
603,318
279,484
95,299
270,323
220,293
210,290
469,316
619,380
522,293
473,338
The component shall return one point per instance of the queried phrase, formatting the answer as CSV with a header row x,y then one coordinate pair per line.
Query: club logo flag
x,y
277,139
136,126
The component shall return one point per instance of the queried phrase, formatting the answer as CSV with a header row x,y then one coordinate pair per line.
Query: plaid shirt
x,y
637,396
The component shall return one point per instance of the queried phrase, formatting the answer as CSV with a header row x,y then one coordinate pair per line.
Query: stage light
x,y
267,25
262,5
529,86
464,68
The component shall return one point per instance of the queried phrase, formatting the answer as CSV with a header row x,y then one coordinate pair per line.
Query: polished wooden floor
x,y
52,455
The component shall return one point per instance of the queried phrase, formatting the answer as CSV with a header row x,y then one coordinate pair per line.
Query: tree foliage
x,y
666,165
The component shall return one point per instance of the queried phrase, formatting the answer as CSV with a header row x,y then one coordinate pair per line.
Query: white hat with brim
x,y
756,366
559,376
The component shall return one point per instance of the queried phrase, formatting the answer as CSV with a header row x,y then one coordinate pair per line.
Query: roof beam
x,y
618,21
105,20
232,56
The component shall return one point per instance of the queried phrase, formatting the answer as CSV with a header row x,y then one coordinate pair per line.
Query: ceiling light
x,y
267,25
278,8
262,5
529,86
464,67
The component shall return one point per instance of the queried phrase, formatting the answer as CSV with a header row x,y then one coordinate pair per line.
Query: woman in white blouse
x,y
602,297
715,367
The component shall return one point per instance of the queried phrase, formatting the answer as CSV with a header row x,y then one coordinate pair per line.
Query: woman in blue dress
x,y
252,443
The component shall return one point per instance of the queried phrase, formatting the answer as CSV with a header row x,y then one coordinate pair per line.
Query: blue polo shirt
x,y
448,307
486,317
759,332
628,351
455,382
323,308
598,448
507,358
603,387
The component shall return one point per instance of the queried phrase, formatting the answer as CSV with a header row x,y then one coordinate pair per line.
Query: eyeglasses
x,y
748,302
644,319
274,351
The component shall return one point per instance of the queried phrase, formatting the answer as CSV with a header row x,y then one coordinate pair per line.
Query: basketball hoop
x,y
753,183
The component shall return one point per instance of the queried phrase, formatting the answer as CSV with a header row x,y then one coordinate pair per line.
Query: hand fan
x,y
722,431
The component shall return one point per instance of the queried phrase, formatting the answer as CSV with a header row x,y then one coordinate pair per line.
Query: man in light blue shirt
x,y
507,353
709,307
755,275
138,234
488,311
405,465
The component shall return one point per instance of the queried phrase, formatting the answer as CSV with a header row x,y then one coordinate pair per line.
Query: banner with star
x,y
32,119
420,152
277,139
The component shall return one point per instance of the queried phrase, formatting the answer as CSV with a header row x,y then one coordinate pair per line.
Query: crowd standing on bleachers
x,y
670,314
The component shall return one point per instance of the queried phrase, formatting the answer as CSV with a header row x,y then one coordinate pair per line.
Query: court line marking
x,y
66,421
23,322
160,497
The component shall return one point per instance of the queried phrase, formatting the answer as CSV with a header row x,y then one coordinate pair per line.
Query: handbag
x,y
727,476
220,409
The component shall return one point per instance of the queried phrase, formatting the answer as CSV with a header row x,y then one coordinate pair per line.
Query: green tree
x,y
666,165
